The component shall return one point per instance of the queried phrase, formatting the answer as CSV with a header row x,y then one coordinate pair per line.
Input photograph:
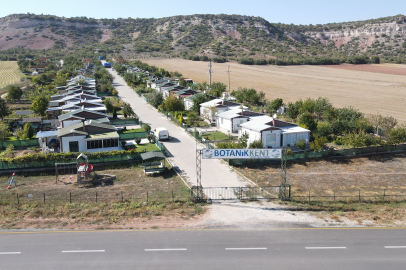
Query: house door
x,y
270,140
74,146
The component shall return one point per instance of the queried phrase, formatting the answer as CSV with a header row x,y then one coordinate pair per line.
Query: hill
x,y
201,36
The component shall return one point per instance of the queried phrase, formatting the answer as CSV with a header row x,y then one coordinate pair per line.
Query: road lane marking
x,y
260,248
167,249
9,253
325,247
395,246
79,251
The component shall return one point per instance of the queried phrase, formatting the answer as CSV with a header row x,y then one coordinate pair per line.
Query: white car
x,y
161,133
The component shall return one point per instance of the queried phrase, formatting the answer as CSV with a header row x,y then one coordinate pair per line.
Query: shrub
x,y
150,138
318,143
146,127
256,144
301,144
138,141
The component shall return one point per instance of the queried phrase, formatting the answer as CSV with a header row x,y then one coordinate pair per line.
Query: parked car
x,y
161,133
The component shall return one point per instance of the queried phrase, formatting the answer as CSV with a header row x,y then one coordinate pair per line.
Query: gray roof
x,y
72,128
69,114
149,155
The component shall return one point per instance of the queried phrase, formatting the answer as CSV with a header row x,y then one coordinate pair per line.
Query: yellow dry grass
x,y
369,92
9,73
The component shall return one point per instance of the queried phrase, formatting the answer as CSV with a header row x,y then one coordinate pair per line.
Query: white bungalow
x,y
273,133
231,120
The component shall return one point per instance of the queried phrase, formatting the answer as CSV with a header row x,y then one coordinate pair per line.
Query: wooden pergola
x,y
153,162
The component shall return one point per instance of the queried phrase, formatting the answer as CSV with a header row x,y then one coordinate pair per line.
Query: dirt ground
x,y
385,69
360,89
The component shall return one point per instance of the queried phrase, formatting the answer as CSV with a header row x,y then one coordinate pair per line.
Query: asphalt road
x,y
182,147
206,249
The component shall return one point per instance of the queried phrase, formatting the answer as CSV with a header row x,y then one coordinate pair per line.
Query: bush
x,y
150,138
146,127
138,141
29,130
301,144
256,144
318,143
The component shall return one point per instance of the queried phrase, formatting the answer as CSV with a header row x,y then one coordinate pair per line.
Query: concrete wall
x,y
224,124
237,122
67,139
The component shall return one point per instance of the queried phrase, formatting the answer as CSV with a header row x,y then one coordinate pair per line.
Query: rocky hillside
x,y
230,36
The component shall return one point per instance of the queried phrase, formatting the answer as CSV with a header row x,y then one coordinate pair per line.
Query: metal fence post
x,y
240,193
334,194
309,195
172,194
44,197
122,197
359,195
384,194
18,199
70,197
96,196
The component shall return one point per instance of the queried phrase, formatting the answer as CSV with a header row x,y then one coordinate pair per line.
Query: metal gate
x,y
243,193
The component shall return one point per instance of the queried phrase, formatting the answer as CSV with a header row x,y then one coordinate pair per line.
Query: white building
x,y
210,109
231,120
273,133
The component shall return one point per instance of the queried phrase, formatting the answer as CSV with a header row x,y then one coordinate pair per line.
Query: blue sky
x,y
292,11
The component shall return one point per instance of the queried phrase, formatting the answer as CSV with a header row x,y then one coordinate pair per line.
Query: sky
x,y
292,11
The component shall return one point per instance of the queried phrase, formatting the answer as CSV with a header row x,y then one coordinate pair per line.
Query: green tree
x,y
4,132
109,105
114,113
14,93
397,135
4,110
318,143
217,89
274,105
155,98
307,121
293,110
375,60
40,105
29,130
182,82
127,110
191,118
320,106
197,100
243,140
324,129
173,104
146,127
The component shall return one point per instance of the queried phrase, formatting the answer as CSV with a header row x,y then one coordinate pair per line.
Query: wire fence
x,y
91,196
133,135
125,121
349,195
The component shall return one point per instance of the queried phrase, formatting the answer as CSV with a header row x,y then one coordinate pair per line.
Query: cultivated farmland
x,y
9,73
370,92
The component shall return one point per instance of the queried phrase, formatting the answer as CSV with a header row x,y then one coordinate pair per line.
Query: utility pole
x,y
210,73
229,89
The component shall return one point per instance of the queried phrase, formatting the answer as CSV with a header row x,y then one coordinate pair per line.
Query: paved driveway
x,y
182,148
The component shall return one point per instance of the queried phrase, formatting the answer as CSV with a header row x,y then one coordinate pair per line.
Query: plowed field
x,y
370,92
9,73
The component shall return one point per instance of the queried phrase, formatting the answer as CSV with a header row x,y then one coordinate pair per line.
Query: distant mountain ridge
x,y
229,36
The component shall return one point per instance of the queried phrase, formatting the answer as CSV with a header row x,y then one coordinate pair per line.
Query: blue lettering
x,y
227,152
245,153
232,153
238,153
216,153
222,152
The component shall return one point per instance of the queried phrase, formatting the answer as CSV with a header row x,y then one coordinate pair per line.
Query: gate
x,y
243,193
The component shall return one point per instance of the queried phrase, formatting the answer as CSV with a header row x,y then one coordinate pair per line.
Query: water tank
x,y
100,58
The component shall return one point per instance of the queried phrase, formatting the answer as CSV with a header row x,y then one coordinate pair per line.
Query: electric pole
x,y
210,73
229,89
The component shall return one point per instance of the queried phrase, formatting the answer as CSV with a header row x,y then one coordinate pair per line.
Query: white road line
x,y
167,249
79,251
395,246
325,247
9,253
260,248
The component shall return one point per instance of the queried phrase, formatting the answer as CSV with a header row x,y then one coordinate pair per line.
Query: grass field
x,y
134,200
9,73
369,92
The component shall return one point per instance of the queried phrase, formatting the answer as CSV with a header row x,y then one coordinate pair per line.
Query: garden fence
x,y
87,196
125,121
20,144
133,135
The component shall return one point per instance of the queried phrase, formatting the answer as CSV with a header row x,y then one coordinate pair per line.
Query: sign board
x,y
242,153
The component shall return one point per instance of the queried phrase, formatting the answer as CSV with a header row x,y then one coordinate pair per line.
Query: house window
x,y
74,146
270,140
107,143
94,144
